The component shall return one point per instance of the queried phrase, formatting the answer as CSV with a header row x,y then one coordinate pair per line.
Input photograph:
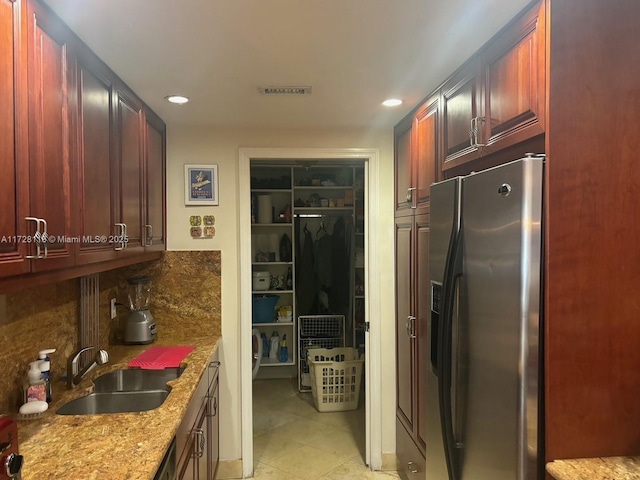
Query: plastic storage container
x,y
263,308
336,377
261,280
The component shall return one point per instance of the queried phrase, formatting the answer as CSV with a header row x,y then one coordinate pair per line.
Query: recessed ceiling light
x,y
179,99
392,102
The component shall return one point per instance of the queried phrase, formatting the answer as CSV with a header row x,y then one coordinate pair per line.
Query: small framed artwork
x,y
200,184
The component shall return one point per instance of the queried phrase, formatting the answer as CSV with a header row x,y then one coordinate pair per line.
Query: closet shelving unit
x,y
317,195
266,256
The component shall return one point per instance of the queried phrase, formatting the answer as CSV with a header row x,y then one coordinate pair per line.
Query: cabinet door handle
x,y
215,406
473,132
149,229
122,230
44,238
124,238
410,197
410,326
37,238
199,452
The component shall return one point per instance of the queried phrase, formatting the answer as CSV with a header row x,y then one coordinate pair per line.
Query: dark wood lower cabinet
x,y
411,463
412,317
197,443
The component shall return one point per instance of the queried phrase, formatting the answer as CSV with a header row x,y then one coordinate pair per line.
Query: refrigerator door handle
x,y
453,270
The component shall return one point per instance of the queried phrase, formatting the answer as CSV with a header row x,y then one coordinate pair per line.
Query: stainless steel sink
x,y
123,391
135,380
114,402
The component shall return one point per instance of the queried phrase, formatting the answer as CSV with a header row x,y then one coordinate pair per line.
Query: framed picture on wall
x,y
200,184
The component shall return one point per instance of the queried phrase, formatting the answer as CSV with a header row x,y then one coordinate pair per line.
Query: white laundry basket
x,y
336,377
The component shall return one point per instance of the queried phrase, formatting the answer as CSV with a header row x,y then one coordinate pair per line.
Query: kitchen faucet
x,y
73,376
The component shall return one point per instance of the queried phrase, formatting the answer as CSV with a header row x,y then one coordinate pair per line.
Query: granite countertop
x,y
124,446
605,468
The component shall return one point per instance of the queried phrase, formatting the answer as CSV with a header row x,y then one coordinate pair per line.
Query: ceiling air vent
x,y
266,90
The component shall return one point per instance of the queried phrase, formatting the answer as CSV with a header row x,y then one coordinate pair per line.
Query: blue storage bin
x,y
263,309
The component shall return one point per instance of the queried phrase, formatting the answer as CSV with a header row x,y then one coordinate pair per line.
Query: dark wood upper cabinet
x,y
462,110
50,159
514,76
497,99
425,151
14,181
402,166
155,160
130,132
417,146
95,133
83,160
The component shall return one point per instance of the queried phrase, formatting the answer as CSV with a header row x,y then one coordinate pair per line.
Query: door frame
x,y
373,366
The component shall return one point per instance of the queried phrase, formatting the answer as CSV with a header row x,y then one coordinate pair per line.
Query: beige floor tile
x,y
267,392
296,405
266,418
359,458
339,443
267,472
349,471
337,419
385,475
332,442
258,431
304,430
270,446
357,471
307,463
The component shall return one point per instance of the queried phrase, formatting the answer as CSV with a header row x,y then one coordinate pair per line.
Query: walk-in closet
x,y
308,296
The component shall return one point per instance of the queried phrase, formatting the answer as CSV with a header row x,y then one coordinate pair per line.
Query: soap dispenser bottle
x,y
35,389
284,351
45,368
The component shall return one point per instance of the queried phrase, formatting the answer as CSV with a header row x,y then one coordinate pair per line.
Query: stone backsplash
x,y
186,289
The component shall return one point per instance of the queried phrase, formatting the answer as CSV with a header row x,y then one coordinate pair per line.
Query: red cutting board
x,y
157,358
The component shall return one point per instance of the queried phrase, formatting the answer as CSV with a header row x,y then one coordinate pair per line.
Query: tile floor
x,y
293,441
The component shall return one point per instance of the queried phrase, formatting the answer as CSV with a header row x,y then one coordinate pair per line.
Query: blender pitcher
x,y
140,327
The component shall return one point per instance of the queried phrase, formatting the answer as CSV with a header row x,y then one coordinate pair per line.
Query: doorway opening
x,y
308,197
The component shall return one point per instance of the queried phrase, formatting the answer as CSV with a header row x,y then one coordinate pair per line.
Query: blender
x,y
140,327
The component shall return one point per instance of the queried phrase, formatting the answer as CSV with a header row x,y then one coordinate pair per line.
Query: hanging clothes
x,y
306,279
340,269
323,258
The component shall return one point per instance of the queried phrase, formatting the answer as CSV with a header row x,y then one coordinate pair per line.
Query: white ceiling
x,y
354,54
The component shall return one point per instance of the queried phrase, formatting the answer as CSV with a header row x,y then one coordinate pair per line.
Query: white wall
x,y
220,146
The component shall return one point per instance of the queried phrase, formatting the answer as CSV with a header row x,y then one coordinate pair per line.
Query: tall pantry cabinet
x,y
416,152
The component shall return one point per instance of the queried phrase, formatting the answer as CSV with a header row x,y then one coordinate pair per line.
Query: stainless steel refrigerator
x,y
483,387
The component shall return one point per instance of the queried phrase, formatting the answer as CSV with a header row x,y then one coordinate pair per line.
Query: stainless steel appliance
x,y
140,327
483,401
168,468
